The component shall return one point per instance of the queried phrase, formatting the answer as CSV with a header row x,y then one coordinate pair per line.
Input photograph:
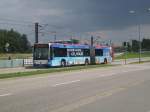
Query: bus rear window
x,y
40,53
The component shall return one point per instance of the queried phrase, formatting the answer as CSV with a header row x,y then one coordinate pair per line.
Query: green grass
x,y
140,62
133,55
50,70
4,56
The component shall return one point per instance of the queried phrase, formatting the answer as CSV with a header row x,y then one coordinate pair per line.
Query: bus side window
x,y
99,52
86,52
60,52
51,53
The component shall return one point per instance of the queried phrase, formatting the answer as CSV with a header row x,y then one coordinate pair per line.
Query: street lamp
x,y
139,34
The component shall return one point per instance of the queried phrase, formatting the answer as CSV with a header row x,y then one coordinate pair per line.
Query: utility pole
x,y
139,30
125,46
92,41
36,32
92,51
125,55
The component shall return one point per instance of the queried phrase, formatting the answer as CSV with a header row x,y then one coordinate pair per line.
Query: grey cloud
x,y
79,16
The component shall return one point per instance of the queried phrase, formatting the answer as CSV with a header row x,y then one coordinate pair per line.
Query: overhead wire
x,y
14,20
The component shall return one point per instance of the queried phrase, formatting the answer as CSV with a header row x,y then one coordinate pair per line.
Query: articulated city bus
x,y
59,54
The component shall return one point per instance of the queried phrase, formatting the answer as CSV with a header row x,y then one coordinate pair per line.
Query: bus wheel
x,y
86,62
63,63
105,61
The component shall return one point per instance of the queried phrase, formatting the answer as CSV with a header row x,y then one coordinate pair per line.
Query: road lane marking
x,y
8,94
111,74
88,100
96,97
65,83
118,73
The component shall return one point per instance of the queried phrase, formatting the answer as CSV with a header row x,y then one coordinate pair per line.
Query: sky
x,y
107,19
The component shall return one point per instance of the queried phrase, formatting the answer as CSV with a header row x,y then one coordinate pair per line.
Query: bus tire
x,y
86,62
63,63
105,61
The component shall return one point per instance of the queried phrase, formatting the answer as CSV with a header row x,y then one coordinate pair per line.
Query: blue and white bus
x,y
59,54
103,54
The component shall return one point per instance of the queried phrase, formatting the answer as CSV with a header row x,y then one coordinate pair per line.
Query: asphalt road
x,y
113,89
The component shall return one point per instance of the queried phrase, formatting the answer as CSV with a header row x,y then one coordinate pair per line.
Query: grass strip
x,y
133,55
50,70
140,62
4,56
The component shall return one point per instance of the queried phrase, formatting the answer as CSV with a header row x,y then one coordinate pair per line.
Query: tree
x,y
17,42
25,43
127,46
135,45
146,44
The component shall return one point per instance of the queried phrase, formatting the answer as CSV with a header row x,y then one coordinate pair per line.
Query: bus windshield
x,y
41,52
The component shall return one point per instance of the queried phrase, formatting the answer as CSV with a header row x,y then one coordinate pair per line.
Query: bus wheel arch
x,y
105,61
87,61
63,63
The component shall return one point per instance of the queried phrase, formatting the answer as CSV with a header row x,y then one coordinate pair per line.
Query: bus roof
x,y
101,47
70,45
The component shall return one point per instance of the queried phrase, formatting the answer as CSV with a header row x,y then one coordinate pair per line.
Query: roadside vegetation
x,y
12,41
140,62
132,47
133,55
50,70
5,56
